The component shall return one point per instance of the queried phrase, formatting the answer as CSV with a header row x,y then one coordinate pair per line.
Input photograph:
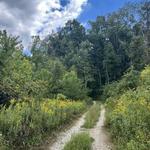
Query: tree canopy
x,y
76,61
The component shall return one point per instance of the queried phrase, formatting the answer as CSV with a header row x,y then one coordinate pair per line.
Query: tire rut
x,y
100,135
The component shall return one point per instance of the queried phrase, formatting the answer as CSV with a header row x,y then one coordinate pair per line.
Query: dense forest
x,y
105,61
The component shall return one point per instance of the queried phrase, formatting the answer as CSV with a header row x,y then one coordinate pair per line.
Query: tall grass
x,y
23,124
92,116
128,115
81,141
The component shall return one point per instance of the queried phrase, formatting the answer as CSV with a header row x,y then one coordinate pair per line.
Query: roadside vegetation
x,y
25,123
128,110
81,141
92,116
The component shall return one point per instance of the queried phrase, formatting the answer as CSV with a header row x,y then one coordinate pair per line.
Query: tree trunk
x,y
107,75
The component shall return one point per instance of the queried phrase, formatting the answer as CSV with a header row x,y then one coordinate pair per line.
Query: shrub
x,y
130,80
61,96
3,144
145,76
73,87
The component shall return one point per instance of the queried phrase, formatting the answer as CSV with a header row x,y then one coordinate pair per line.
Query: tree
x,y
83,63
137,53
110,62
72,87
96,36
57,71
8,45
18,75
144,9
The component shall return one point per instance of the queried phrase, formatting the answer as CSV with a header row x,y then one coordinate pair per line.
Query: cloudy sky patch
x,y
27,18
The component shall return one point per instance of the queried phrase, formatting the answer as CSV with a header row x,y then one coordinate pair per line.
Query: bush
x,y
81,141
3,144
61,97
130,80
72,86
145,76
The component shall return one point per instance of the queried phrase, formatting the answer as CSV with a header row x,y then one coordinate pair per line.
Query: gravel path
x,y
65,136
99,134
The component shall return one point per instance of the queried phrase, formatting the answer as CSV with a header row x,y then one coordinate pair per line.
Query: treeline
x,y
102,53
76,62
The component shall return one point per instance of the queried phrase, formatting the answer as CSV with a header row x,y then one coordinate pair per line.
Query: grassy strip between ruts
x,y
80,141
92,116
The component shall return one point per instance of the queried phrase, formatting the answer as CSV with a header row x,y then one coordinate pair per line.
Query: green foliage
x,y
57,71
81,141
61,96
130,80
92,116
72,87
25,123
3,144
145,76
78,63
8,46
128,115
18,74
136,52
112,44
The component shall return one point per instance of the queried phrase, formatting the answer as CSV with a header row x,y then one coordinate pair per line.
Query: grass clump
x,y
92,116
81,141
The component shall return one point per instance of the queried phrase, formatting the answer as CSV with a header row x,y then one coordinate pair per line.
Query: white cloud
x,y
27,18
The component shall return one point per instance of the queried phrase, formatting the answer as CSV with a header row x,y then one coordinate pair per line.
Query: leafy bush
x,y
81,141
145,76
72,86
25,123
3,144
61,97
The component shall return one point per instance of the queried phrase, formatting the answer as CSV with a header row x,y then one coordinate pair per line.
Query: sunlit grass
x,y
25,123
81,141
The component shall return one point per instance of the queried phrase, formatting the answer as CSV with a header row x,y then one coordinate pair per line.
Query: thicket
x,y
128,112
26,123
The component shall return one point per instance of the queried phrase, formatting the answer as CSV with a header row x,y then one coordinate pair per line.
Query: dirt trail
x,y
99,134
65,136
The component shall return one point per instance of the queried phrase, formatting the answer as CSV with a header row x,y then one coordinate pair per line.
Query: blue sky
x,y
95,8
41,17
